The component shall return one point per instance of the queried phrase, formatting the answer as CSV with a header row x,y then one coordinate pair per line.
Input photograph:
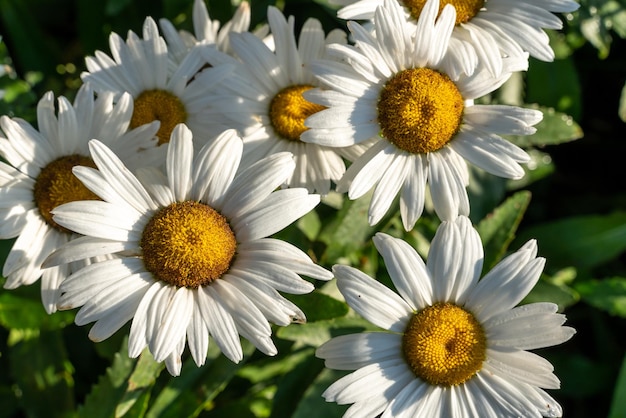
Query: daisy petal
x,y
372,300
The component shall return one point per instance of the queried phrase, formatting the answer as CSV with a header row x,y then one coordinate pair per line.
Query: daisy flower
x,y
171,94
401,90
207,31
38,176
194,258
492,28
263,99
454,346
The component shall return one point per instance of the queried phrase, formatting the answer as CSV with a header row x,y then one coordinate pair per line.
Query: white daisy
x,y
493,28
171,94
196,258
207,31
455,346
38,176
263,99
400,89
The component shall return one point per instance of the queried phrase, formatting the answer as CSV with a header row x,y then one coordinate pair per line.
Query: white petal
x,y
524,366
120,178
108,325
85,247
372,300
197,335
137,338
273,275
353,351
276,212
251,323
413,191
255,183
447,190
220,324
98,219
388,187
111,298
215,168
179,158
407,270
173,326
90,280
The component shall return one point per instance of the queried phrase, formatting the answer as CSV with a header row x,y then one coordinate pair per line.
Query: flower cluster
x,y
154,197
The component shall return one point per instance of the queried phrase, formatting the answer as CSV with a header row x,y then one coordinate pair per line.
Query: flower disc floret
x,y
444,344
420,110
188,244
465,9
288,110
56,185
159,105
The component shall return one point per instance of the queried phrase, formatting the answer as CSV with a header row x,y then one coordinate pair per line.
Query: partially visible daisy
x,y
400,89
197,260
456,347
493,28
171,95
38,176
207,31
264,99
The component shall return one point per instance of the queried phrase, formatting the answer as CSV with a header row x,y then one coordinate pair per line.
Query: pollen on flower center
x,y
465,9
56,185
159,105
289,109
420,110
188,244
444,344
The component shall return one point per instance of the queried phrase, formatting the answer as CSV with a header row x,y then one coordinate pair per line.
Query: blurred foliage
x,y
572,201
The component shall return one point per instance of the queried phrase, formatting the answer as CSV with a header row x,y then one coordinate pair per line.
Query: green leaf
x,y
581,376
17,312
35,53
555,84
115,7
140,382
318,306
497,230
43,375
593,30
196,387
105,395
548,291
272,367
293,385
317,333
622,104
555,128
618,404
599,20
313,405
139,407
310,225
608,294
582,241
346,234
9,405
540,166
485,191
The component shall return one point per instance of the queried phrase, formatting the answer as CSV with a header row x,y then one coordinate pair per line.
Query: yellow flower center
x,y
420,110
465,9
444,344
159,105
289,109
188,244
56,185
